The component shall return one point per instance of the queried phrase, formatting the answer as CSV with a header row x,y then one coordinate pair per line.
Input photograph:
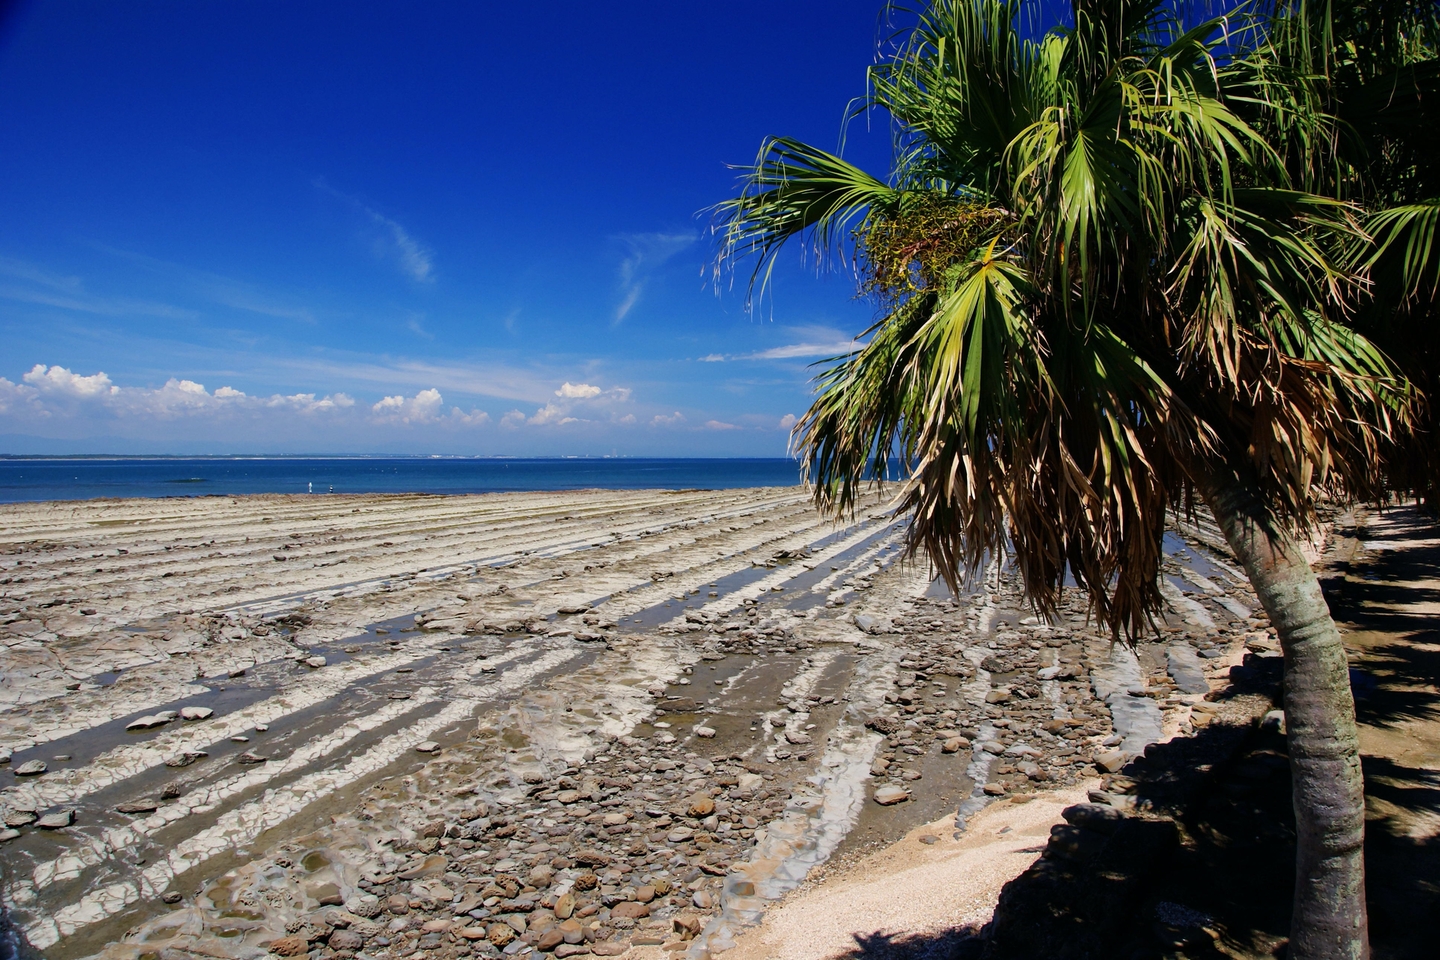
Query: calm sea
x,y
85,478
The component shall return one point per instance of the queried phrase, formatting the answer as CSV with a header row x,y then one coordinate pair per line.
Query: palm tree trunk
x,y
1329,919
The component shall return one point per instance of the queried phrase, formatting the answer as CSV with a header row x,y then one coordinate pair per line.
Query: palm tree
x,y
1374,68
1101,293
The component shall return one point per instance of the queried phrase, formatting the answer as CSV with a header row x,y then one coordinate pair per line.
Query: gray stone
x,y
57,820
31,768
346,940
186,758
888,795
196,713
137,806
315,662
147,723
1111,761
872,624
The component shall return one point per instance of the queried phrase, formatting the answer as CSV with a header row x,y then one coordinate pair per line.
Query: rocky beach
x,y
586,723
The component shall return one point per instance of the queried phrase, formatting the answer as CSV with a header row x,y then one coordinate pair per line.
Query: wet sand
x,y
421,719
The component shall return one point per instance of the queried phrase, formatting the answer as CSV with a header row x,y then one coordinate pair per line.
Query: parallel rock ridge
x,y
482,726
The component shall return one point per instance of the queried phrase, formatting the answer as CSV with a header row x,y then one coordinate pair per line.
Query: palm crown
x,y
1099,287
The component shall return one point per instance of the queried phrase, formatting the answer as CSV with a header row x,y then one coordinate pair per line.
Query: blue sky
x,y
428,228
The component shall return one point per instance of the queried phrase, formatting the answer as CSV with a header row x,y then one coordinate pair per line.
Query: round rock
x,y
888,796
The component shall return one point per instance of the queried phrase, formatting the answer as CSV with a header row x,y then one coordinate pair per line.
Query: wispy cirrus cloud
x,y
393,242
816,342
647,253
30,283
217,288
478,379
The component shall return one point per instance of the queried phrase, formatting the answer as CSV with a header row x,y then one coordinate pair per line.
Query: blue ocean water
x,y
24,478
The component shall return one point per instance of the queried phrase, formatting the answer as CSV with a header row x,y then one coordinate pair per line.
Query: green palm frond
x,y
1097,269
1406,240
793,189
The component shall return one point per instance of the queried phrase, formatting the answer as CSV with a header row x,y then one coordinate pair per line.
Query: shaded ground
x,y
1202,867
1384,589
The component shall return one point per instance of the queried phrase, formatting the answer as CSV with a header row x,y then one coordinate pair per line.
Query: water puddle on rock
x,y
651,617
796,593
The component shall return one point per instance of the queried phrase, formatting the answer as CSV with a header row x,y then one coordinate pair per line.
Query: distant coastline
x,y
346,456
87,477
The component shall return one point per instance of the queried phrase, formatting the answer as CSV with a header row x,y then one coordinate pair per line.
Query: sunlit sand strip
x,y
128,760
245,824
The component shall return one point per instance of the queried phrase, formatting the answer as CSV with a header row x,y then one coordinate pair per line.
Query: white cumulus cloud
x,y
577,391
787,421
474,418
719,425
58,380
661,420
424,407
